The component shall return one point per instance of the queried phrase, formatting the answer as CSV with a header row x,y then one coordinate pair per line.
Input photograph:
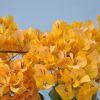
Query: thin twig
x,y
13,51
12,58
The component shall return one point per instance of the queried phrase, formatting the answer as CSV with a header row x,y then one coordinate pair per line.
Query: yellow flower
x,y
44,79
84,79
65,92
4,76
87,91
92,68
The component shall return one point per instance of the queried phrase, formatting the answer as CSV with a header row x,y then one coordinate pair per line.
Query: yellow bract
x,y
4,76
42,76
65,92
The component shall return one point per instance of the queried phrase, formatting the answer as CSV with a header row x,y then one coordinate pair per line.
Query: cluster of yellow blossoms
x,y
68,57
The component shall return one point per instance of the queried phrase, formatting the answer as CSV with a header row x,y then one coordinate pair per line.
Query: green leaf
x,y
74,98
41,96
54,95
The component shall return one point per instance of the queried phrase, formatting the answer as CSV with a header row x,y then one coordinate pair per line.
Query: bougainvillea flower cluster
x,y
67,57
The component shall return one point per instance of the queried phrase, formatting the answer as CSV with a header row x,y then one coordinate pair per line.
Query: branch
x,y
13,51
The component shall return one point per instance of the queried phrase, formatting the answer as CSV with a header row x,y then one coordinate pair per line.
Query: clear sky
x,y
42,13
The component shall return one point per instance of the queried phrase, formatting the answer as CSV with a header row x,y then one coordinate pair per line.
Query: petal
x,y
61,91
85,78
17,90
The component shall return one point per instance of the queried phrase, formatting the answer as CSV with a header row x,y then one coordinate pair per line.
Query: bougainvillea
x,y
67,58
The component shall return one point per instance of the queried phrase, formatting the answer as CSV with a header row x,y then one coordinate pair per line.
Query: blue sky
x,y
42,13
